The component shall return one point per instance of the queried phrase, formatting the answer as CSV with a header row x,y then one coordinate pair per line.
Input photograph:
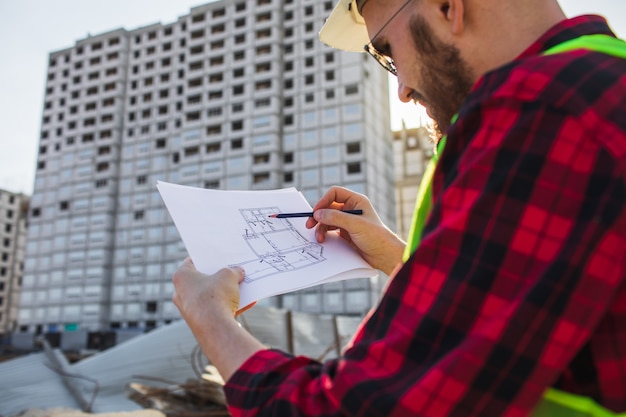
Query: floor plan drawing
x,y
279,255
277,245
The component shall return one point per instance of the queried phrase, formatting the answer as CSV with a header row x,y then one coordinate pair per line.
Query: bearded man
x,y
510,297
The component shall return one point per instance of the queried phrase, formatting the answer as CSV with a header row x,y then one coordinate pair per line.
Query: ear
x,y
454,11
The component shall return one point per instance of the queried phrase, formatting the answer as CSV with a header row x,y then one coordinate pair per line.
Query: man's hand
x,y
209,304
196,292
378,245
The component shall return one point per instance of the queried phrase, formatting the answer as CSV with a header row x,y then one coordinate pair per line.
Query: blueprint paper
x,y
227,228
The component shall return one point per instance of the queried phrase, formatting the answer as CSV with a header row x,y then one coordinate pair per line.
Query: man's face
x,y
430,71
444,78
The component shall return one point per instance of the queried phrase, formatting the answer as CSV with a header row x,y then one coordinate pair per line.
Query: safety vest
x,y
555,403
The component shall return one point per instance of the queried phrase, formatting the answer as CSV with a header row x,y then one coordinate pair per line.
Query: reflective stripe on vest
x,y
423,202
555,403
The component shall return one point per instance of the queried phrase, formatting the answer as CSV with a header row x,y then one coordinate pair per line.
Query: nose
x,y
405,93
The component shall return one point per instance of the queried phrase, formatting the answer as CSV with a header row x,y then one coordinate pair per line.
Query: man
x,y
511,300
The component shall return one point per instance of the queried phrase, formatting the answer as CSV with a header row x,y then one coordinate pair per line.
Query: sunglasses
x,y
384,60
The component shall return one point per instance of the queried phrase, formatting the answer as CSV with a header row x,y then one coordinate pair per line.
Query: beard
x,y
446,77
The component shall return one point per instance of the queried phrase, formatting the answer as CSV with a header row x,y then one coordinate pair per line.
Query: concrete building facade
x,y
13,212
412,149
233,95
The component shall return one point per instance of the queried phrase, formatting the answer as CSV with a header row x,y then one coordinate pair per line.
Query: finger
x,y
334,198
338,219
187,262
235,272
241,273
320,232
345,235
310,223
335,195
325,200
181,272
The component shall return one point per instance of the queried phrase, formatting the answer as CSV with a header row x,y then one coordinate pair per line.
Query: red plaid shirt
x,y
519,283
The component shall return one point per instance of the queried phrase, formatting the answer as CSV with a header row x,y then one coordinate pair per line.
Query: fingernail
x,y
318,214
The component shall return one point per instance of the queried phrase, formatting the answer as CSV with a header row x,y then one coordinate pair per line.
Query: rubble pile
x,y
200,397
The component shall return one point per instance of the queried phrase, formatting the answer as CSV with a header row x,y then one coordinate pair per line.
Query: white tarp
x,y
164,354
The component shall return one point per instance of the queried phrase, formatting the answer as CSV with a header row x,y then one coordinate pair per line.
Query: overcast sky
x,y
30,29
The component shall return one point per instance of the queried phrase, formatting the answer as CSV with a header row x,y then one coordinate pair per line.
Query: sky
x,y
31,29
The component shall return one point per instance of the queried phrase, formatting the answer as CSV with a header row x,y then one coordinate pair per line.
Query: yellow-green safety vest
x,y
555,403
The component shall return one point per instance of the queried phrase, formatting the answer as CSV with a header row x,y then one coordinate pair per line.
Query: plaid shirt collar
x,y
566,30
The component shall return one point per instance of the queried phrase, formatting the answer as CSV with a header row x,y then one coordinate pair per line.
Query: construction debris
x,y
195,398
163,369
201,397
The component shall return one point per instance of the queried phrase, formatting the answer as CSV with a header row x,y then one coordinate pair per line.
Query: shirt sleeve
x,y
520,260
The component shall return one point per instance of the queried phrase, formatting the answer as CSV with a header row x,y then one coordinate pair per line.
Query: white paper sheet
x,y
225,228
